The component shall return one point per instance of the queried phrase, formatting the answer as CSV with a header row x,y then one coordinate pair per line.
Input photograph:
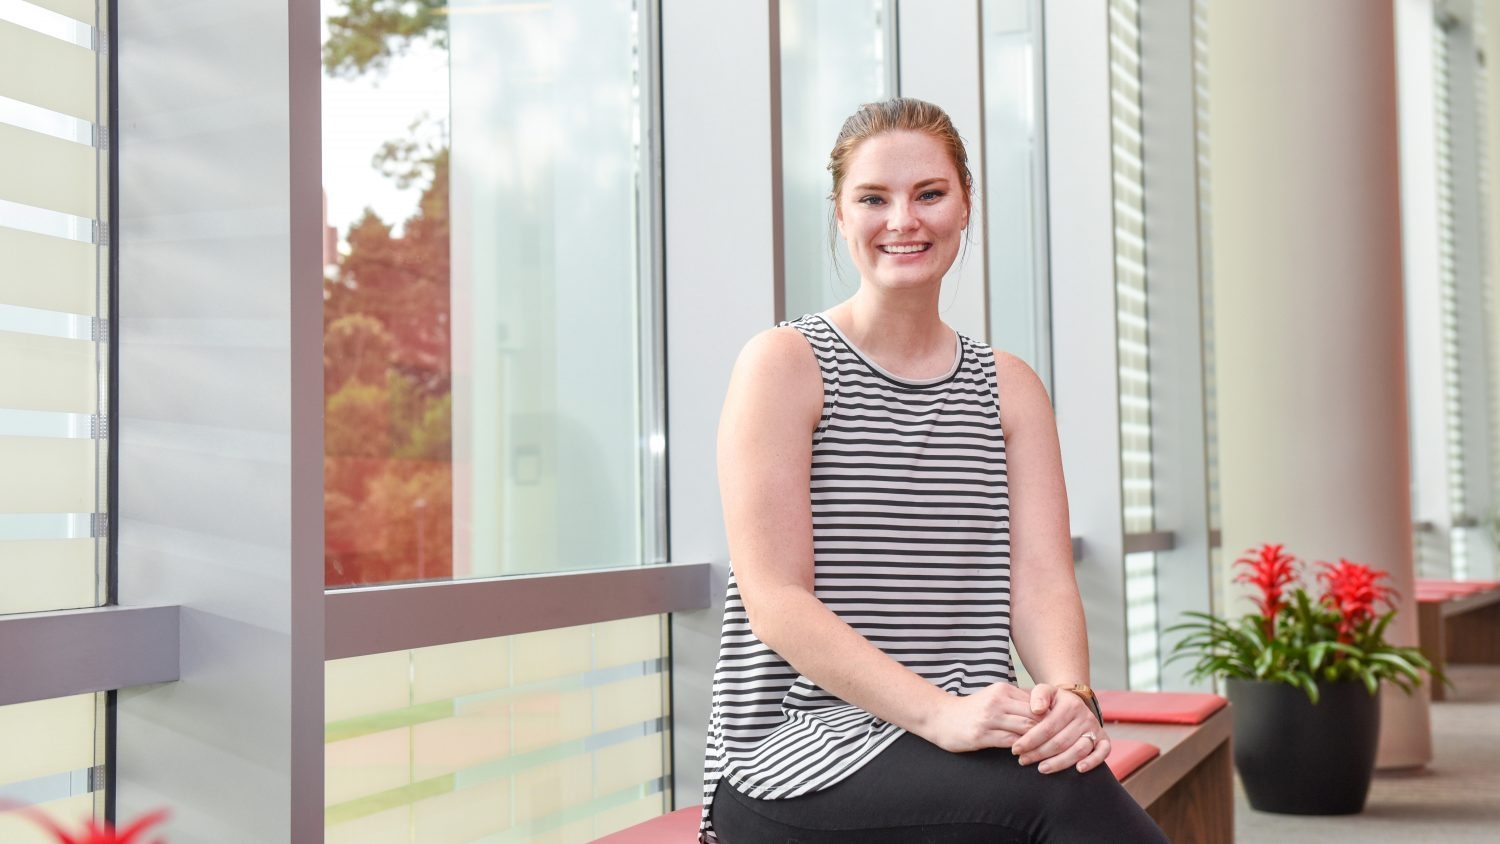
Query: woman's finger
x,y
1097,756
1048,739
1071,755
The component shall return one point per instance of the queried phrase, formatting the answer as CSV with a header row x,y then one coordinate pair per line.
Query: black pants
x,y
917,793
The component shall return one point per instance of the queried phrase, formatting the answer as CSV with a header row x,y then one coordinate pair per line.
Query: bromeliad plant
x,y
1301,640
94,831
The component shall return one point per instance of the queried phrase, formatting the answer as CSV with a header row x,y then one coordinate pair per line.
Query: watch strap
x,y
1088,696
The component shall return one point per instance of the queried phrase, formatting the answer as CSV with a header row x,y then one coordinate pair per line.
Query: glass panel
x,y
835,56
558,736
484,332
1142,638
54,296
51,753
1137,493
53,308
1015,173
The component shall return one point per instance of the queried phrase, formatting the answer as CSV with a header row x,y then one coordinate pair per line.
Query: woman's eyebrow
x,y
871,186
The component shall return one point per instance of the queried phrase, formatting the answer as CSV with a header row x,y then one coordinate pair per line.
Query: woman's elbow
x,y
770,613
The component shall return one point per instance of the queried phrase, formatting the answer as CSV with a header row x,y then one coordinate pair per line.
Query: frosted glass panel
x,y
66,86
49,273
41,575
47,172
59,475
51,750
559,735
835,56
48,373
53,388
1014,181
53,286
484,330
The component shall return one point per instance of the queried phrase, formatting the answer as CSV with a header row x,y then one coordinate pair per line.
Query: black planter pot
x,y
1295,758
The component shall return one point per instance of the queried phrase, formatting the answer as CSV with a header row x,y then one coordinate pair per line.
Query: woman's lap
x,y
917,792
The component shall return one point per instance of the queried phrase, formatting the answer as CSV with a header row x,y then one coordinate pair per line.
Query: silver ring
x,y
1093,739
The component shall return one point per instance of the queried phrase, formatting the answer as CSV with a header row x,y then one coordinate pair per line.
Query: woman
x,y
886,540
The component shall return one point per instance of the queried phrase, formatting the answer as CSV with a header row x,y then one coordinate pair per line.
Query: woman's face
x,y
902,210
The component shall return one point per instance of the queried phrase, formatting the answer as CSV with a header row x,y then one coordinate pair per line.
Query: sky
x,y
360,115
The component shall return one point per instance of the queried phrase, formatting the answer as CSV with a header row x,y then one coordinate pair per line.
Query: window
x,y
54,196
835,56
491,358
555,735
1132,338
490,308
1451,383
1014,189
54,396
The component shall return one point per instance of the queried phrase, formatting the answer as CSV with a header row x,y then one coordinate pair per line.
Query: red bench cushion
x,y
1125,755
1456,587
679,827
1158,707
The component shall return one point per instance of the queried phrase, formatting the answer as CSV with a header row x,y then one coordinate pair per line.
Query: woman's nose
x,y
900,218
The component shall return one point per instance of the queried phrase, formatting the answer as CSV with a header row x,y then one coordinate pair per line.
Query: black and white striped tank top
x,y
911,547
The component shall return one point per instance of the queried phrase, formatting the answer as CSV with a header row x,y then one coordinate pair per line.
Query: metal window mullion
x,y
651,287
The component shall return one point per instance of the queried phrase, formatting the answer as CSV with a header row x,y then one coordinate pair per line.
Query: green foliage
x,y
1301,647
356,347
371,32
357,421
403,281
423,423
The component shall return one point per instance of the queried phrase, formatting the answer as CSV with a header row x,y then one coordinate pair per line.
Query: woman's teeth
x,y
903,250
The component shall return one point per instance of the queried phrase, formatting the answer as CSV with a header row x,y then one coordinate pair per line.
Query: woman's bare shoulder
x,y
1023,396
778,368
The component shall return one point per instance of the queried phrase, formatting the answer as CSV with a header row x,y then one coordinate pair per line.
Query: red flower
x,y
1270,569
95,832
1354,590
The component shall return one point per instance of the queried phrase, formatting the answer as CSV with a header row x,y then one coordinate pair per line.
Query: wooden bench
x,y
1180,772
1189,789
1458,621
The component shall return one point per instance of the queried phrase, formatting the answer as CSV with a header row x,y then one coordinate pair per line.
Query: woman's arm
x,y
773,406
1047,621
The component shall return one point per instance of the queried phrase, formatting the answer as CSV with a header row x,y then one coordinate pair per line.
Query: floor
x,y
1455,799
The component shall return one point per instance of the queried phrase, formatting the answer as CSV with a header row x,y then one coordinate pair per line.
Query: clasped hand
x,y
1050,728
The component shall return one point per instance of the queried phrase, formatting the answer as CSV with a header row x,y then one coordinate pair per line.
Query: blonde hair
x,y
895,115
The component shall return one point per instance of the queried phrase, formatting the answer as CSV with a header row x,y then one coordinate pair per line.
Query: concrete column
x,y
220,431
1307,263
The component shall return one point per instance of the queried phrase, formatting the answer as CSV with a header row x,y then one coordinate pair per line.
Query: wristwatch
x,y
1088,696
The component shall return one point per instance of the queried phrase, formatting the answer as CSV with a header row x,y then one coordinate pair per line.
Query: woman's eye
x,y
930,195
870,200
